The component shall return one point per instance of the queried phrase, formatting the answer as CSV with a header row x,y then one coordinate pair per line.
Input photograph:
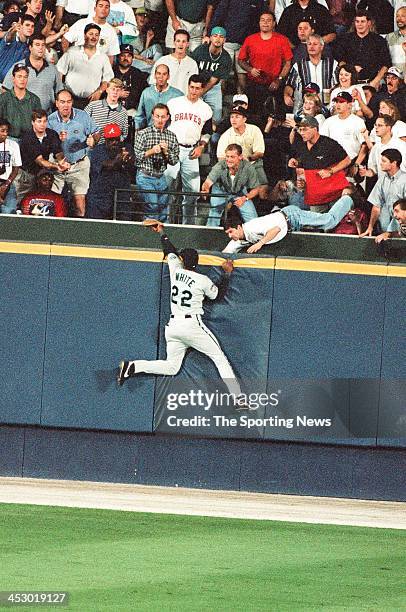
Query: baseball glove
x,y
154,224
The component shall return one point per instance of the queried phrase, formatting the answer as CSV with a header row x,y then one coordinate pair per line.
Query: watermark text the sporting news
x,y
33,598
216,399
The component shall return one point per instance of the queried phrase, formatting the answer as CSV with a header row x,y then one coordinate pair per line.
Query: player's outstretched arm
x,y
158,227
222,284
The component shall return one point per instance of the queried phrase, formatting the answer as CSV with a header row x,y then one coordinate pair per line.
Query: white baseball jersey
x,y
188,288
188,118
186,328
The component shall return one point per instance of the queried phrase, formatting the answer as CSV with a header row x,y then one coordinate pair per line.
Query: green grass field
x,y
110,560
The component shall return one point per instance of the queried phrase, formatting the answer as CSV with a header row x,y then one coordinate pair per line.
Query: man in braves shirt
x,y
186,328
42,202
191,124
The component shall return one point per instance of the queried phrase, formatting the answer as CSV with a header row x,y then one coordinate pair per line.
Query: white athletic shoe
x,y
125,372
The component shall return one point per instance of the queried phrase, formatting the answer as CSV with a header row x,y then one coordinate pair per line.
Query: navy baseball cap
x,y
312,88
343,96
127,49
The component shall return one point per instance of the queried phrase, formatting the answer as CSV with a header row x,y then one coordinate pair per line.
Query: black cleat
x,y
126,370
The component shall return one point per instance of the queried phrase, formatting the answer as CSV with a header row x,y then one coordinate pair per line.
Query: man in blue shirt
x,y
14,45
78,132
160,93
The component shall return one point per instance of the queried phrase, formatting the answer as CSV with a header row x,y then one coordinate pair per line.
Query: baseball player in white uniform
x,y
186,328
189,115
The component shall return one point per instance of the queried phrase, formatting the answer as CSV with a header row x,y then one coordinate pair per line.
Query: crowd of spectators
x,y
241,106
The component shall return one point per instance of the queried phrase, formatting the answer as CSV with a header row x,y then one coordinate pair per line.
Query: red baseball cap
x,y
111,130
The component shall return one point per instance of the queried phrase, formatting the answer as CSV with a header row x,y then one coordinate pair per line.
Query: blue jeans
x,y
297,199
214,99
190,176
326,221
155,204
217,205
8,207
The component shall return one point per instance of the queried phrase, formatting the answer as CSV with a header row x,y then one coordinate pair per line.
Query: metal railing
x,y
184,207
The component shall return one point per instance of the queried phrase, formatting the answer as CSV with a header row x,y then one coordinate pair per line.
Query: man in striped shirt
x,y
155,148
316,69
109,110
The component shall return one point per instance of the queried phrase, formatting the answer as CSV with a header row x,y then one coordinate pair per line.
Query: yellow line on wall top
x,y
278,263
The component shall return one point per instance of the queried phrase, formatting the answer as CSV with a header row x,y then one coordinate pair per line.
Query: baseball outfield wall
x,y
323,339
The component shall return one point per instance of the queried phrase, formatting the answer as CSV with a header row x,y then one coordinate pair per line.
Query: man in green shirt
x,y
232,179
17,104
214,65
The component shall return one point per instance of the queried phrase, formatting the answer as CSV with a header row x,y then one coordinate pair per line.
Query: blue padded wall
x,y
99,312
241,322
23,309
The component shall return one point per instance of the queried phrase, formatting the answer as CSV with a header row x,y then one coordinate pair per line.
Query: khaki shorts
x,y
77,177
233,50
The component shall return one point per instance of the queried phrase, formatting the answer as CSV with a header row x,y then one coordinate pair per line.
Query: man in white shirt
x,y
85,70
189,114
383,128
252,142
347,129
121,17
108,41
10,164
180,65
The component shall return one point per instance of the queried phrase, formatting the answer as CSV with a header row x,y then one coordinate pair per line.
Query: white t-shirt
x,y
188,119
9,156
398,131
355,105
374,160
108,41
80,7
188,288
347,132
256,229
179,71
121,16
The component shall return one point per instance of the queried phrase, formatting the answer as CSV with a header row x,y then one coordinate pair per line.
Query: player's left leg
x,y
175,353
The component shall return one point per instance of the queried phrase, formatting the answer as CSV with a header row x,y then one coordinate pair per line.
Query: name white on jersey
x,y
188,288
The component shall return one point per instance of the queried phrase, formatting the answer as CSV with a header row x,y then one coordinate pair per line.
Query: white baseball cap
x,y
240,98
